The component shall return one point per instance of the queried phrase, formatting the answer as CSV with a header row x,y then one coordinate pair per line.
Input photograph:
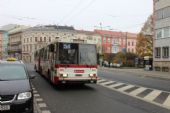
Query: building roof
x,y
116,33
51,28
87,32
17,29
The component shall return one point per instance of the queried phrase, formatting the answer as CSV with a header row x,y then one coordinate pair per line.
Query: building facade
x,y
5,45
36,37
114,42
1,43
162,35
15,42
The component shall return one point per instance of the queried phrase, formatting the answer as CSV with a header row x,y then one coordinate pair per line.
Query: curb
x,y
40,105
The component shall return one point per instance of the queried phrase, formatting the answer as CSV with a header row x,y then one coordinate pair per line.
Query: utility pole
x,y
126,48
101,45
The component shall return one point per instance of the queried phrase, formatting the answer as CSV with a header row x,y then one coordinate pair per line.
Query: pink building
x,y
114,42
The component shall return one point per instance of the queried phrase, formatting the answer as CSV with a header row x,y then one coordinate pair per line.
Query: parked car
x,y
16,95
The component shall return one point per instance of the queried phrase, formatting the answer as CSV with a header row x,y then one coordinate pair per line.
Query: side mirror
x,y
32,76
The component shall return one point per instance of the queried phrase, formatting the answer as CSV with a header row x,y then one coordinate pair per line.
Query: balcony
x,y
15,43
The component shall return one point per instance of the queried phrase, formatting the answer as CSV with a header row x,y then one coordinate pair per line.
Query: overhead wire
x,y
81,10
71,11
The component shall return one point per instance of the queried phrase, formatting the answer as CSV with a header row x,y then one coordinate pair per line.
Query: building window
x,y
31,39
128,43
108,40
44,39
159,34
165,52
35,39
128,50
132,43
162,13
115,49
49,39
40,39
27,40
166,32
157,52
104,39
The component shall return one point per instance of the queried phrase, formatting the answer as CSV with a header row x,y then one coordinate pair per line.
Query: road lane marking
x,y
101,81
152,95
167,102
161,98
137,91
117,84
109,82
36,95
121,86
39,99
46,111
126,87
42,105
144,93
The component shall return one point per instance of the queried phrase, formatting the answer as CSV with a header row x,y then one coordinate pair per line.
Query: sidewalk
x,y
141,72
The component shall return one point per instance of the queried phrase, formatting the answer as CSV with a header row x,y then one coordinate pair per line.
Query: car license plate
x,y
4,107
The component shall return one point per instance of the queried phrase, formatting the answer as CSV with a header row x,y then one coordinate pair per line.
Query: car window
x,y
12,72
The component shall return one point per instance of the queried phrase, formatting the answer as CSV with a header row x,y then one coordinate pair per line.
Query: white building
x,y
162,35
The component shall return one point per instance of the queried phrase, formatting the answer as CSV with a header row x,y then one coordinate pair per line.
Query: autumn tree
x,y
144,45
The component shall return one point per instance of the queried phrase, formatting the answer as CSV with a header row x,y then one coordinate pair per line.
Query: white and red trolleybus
x,y
67,62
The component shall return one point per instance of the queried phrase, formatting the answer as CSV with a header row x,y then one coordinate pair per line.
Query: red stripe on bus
x,y
75,66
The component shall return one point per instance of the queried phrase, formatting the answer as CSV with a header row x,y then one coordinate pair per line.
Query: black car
x,y
16,94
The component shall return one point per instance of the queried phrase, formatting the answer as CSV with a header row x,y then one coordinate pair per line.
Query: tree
x,y
120,58
144,45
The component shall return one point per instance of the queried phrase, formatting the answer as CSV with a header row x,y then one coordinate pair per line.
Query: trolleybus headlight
x,y
90,75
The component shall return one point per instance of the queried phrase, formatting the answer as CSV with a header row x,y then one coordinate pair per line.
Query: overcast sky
x,y
124,15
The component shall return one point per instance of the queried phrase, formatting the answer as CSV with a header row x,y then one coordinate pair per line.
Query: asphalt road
x,y
132,78
89,99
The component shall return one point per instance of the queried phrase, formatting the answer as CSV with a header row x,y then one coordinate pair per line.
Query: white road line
x,y
46,111
42,105
115,85
137,91
152,95
167,102
35,91
126,87
39,99
106,82
36,95
101,80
